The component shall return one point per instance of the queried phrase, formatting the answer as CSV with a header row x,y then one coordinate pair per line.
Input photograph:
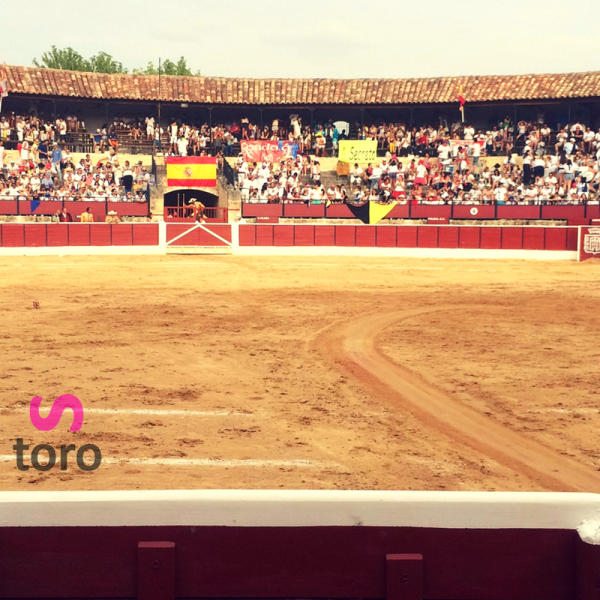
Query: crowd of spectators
x,y
44,169
183,137
560,167
435,164
54,175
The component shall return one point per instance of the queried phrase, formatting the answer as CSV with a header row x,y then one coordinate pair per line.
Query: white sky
x,y
310,38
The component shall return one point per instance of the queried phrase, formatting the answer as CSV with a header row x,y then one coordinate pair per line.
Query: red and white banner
x,y
468,144
267,151
589,243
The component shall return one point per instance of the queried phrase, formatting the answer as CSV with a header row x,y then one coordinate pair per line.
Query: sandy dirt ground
x,y
308,373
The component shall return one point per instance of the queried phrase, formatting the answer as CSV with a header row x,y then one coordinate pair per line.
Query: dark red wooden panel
x,y
156,571
264,235
204,238
400,211
469,237
324,235
563,212
555,238
366,236
519,212
474,212
188,239
247,235
100,234
130,209
44,208
122,234
145,234
98,209
512,238
261,210
8,207
340,211
427,237
406,236
425,211
448,237
35,235
302,210
304,235
404,577
592,211
533,238
386,236
491,238
223,231
299,562
572,235
79,234
57,234
345,235
283,235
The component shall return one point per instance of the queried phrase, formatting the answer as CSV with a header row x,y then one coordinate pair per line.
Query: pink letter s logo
x,y
60,404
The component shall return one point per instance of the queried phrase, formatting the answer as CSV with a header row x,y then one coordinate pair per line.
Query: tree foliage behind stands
x,y
70,60
168,67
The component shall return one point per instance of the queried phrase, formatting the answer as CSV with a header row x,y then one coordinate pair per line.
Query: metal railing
x,y
217,214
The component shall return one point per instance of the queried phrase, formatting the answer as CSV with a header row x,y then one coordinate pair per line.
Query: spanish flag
x,y
191,171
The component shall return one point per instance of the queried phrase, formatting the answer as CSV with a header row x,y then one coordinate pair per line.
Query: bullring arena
x,y
307,372
291,391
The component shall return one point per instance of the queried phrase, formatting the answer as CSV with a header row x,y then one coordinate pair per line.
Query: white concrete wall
x,y
256,508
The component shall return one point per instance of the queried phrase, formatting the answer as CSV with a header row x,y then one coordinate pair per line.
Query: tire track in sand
x,y
354,348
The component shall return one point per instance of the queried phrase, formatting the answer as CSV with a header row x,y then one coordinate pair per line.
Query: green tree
x,y
168,67
70,60
67,59
105,63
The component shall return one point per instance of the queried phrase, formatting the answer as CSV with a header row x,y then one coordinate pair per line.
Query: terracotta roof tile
x,y
213,90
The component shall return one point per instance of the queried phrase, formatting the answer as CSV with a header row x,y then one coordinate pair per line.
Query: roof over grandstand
x,y
34,81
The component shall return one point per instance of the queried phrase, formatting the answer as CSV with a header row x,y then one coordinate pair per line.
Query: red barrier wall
x,y
424,211
35,235
411,236
39,235
297,562
98,209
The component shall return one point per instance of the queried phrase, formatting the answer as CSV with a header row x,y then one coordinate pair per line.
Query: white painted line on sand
x,y
136,267
167,413
155,412
215,462
567,411
195,462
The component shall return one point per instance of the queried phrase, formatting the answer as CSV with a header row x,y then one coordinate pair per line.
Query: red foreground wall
x,y
296,562
413,236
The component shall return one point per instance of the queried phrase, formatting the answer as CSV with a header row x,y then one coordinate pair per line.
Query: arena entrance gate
x,y
198,238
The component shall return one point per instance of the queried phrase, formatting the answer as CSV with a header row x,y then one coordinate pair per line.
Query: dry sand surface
x,y
315,373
